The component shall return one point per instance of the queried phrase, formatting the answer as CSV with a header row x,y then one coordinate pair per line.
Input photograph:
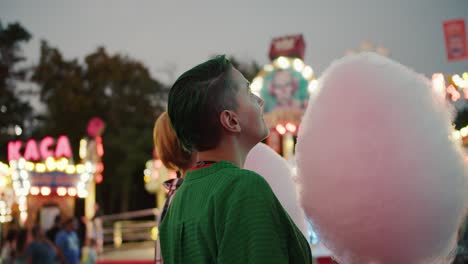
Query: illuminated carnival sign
x,y
286,83
32,151
290,46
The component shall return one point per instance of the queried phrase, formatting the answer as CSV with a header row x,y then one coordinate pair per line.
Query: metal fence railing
x,y
128,227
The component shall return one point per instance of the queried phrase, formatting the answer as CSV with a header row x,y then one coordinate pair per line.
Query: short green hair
x,y
195,101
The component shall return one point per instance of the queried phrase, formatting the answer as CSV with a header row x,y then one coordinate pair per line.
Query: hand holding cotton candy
x,y
277,172
380,177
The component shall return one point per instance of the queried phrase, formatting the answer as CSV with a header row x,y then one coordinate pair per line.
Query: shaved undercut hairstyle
x,y
195,101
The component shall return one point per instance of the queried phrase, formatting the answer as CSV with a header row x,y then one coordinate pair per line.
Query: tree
x,y
116,88
461,119
13,112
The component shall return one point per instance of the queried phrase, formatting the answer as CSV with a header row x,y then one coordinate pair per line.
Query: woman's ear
x,y
230,121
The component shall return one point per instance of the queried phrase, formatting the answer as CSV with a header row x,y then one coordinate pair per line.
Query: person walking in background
x,y
8,249
53,231
20,251
97,233
68,243
40,250
89,253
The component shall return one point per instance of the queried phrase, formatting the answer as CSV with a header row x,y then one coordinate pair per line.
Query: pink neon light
x,y
98,178
99,146
455,95
44,147
14,148
31,152
291,127
63,148
281,129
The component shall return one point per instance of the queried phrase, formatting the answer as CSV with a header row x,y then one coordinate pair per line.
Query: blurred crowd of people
x,y
59,244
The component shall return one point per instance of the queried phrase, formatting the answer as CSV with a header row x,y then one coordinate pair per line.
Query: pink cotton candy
x,y
381,178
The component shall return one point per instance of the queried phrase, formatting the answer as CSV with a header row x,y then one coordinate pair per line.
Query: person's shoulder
x,y
60,234
247,181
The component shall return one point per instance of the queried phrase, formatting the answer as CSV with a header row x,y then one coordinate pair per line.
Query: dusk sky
x,y
183,33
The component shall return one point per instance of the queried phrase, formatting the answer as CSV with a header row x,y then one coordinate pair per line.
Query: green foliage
x,y
13,111
461,120
119,90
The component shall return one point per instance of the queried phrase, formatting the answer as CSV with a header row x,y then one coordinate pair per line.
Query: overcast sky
x,y
184,33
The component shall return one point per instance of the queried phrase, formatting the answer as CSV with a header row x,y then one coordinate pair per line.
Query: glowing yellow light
x,y
3,182
291,127
61,191
268,68
24,174
256,84
50,163
84,177
45,191
82,193
21,163
464,132
22,199
312,88
298,64
307,72
82,152
146,178
456,135
22,207
29,166
13,164
16,185
72,191
4,168
70,169
282,62
80,168
34,190
281,129
154,233
23,216
459,81
40,167
62,164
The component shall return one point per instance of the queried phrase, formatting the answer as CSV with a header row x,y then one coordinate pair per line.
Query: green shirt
x,y
224,214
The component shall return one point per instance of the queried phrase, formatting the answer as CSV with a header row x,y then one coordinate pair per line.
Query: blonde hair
x,y
168,147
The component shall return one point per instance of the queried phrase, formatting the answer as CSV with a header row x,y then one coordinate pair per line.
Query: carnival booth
x,y
42,180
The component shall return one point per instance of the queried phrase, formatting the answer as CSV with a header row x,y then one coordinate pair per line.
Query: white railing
x,y
129,227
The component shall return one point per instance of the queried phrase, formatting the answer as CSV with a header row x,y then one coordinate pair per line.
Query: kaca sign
x,y
32,151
